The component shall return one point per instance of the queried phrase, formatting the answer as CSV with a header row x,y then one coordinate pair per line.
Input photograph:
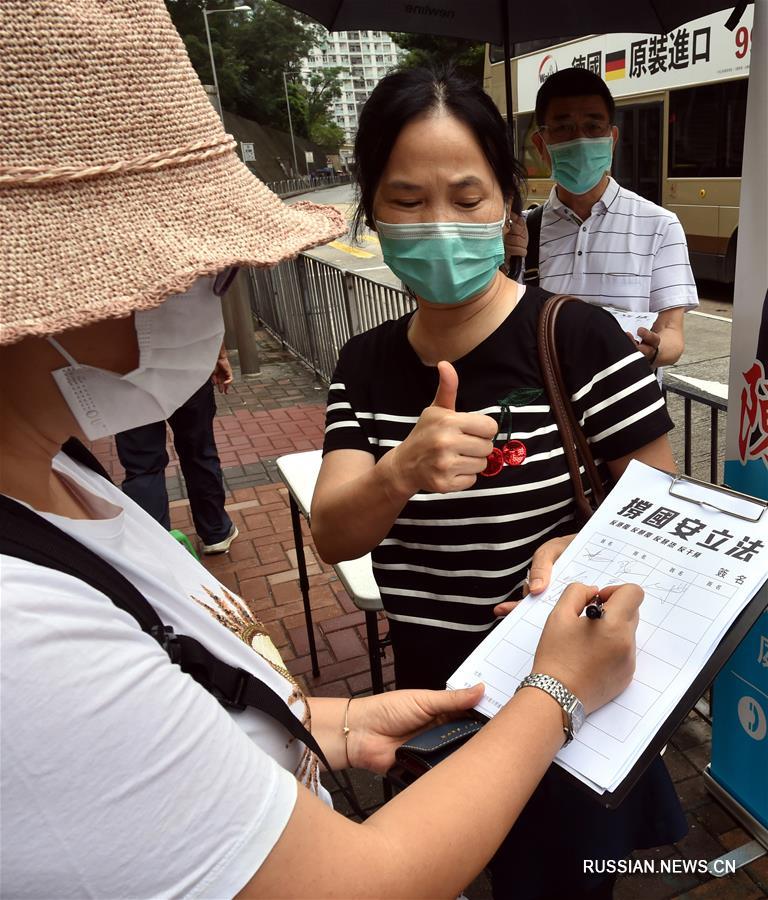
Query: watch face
x,y
577,716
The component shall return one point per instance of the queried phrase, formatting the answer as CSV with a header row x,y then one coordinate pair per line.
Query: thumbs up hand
x,y
447,387
446,449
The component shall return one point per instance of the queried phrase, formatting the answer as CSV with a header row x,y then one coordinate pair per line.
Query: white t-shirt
x,y
630,253
121,777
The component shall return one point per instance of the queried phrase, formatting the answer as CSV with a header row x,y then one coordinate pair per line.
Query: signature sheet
x,y
700,555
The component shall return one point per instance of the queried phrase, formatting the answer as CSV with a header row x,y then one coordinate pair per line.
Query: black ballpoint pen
x,y
594,608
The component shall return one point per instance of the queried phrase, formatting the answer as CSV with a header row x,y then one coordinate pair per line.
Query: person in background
x,y
143,455
597,240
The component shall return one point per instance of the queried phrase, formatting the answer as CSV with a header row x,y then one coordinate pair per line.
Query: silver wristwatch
x,y
573,711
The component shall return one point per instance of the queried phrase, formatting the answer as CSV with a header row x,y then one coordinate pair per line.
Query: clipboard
x,y
722,499
736,505
733,637
726,497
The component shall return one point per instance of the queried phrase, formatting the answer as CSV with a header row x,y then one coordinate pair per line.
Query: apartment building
x,y
366,57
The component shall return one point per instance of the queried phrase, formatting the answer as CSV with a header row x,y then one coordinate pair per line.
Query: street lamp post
x,y
236,303
290,126
209,12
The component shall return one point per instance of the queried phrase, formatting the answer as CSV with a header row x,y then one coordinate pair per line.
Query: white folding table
x,y
299,472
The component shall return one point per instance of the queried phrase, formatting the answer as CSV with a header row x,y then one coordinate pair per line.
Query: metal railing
x,y
289,186
314,307
694,419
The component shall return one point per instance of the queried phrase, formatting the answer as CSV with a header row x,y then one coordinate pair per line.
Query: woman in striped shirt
x,y
441,454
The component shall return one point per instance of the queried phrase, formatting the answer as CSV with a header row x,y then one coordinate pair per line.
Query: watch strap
x,y
557,690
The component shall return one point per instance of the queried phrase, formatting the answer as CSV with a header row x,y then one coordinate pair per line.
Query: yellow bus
x,y
680,109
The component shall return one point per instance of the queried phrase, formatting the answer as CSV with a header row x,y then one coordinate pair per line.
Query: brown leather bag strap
x,y
577,449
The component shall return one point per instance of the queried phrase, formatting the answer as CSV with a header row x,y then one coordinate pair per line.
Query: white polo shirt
x,y
630,253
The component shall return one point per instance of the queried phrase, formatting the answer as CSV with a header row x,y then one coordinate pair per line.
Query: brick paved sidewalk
x,y
282,411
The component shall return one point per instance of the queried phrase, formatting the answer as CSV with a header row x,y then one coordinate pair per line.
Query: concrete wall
x,y
274,155
272,148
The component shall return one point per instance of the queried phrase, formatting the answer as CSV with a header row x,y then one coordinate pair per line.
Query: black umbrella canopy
x,y
506,22
484,20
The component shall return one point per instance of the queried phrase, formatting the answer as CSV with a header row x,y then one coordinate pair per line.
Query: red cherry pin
x,y
495,463
514,452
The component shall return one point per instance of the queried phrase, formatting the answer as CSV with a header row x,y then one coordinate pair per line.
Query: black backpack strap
x,y
533,224
76,450
26,535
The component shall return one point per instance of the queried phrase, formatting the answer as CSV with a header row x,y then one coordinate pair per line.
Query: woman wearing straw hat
x,y
120,201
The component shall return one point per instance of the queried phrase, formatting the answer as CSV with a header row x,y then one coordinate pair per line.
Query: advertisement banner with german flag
x,y
701,51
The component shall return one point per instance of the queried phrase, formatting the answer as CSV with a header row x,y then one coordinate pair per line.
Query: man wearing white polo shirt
x,y
598,240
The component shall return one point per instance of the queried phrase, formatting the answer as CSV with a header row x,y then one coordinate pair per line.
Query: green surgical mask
x,y
579,165
443,262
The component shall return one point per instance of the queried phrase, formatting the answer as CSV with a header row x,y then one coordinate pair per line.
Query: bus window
x,y
526,152
637,158
706,130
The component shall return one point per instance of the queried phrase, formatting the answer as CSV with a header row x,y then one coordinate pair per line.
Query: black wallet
x,y
424,751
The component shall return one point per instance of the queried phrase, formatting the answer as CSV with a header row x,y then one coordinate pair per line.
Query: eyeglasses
x,y
569,131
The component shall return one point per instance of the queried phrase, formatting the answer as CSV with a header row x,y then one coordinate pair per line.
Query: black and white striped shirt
x,y
630,253
449,558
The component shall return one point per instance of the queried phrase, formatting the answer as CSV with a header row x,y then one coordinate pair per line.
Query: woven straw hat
x,y
118,185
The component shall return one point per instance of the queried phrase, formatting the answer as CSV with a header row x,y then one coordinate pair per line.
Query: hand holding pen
x,y
568,637
594,609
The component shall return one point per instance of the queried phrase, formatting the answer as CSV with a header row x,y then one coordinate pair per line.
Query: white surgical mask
x,y
179,343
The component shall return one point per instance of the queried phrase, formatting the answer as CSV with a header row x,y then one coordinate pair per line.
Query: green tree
x,y
327,135
321,90
251,51
437,52
276,41
311,102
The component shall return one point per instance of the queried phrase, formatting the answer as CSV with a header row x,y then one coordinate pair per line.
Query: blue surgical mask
x,y
579,165
443,262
